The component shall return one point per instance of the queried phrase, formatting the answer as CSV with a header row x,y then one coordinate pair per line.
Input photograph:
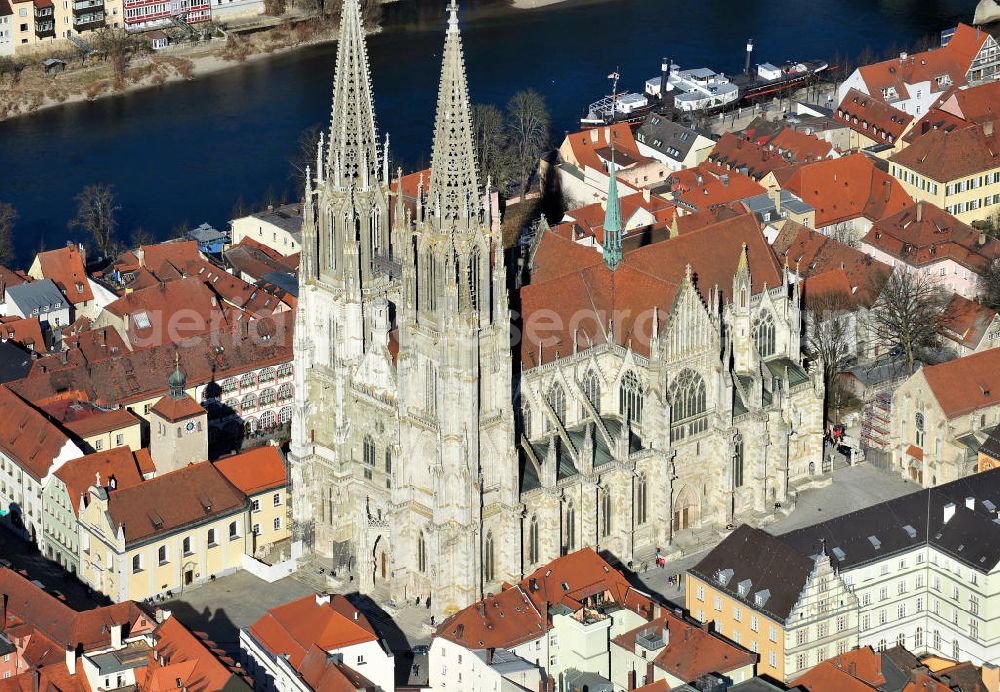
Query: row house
x,y
572,620
873,124
971,327
31,450
66,267
141,15
791,609
927,240
941,416
37,25
318,642
922,568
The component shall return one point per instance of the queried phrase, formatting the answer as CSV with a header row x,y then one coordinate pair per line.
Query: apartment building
x,y
279,228
39,25
792,609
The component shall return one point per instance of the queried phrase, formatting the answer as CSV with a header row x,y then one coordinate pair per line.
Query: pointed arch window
x,y
592,389
473,278
630,398
374,235
763,334
421,553
605,513
331,240
533,540
688,405
430,388
641,488
570,545
526,420
918,424
489,563
738,463
369,451
557,400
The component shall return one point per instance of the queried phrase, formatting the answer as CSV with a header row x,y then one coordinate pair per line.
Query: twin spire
x,y
353,151
454,188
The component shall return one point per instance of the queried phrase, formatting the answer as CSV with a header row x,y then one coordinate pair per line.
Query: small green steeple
x,y
177,381
612,221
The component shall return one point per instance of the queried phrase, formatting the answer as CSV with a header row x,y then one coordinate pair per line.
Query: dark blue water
x,y
185,152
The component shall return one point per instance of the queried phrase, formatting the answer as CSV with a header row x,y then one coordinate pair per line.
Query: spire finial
x,y
452,15
612,247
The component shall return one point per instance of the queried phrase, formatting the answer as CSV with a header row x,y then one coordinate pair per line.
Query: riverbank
x,y
35,91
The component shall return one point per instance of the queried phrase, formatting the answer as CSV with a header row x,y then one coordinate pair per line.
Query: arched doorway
x,y
916,472
685,510
380,561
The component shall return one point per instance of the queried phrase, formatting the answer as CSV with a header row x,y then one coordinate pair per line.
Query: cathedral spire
x,y
453,161
612,247
353,144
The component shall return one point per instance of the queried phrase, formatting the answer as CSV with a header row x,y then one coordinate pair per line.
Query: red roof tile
x,y
28,438
66,267
26,331
184,661
590,148
176,409
96,421
947,154
255,470
846,188
79,474
966,321
295,627
966,384
872,117
702,188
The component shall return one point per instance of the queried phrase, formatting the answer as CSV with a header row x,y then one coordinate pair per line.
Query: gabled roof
x,y
177,408
26,331
166,503
41,296
66,268
872,117
966,384
671,135
771,566
185,661
702,187
169,312
966,321
78,475
590,148
506,619
255,470
325,673
845,188
947,154
328,623
690,650
27,437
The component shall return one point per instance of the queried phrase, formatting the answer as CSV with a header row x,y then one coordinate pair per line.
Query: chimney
x,y
725,180
949,512
36,680
355,616
982,239
988,128
746,64
645,195
3,612
920,211
116,637
70,660
888,189
970,503
852,668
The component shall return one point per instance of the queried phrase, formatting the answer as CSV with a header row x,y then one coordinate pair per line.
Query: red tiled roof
x,y
571,287
507,619
734,152
966,321
590,147
872,117
947,154
826,676
691,651
295,627
79,474
26,331
66,266
323,673
27,437
165,503
255,470
915,452
99,421
923,234
140,375
177,408
700,188
845,188
966,384
184,661
952,60
589,219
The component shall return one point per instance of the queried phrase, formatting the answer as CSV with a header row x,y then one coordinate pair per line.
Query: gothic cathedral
x,y
409,466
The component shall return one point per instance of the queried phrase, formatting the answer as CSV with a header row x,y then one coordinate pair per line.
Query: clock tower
x,y
178,427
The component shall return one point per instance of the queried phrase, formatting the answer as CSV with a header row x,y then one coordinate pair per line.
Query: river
x,y
185,152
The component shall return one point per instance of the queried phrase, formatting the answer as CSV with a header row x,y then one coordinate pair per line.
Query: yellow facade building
x,y
792,610
41,25
262,476
167,533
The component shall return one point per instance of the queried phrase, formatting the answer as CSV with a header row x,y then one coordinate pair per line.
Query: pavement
x,y
852,488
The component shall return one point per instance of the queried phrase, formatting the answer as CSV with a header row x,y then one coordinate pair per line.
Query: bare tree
x,y
97,206
830,334
528,123
989,285
140,236
8,215
490,135
305,153
119,46
909,313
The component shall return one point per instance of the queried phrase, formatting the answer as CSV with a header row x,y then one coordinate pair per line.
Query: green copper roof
x,y
613,222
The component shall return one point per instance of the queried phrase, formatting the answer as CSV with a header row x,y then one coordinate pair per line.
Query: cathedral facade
x,y
443,443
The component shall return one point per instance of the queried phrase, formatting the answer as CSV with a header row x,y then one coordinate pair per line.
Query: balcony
x,y
88,22
45,29
86,5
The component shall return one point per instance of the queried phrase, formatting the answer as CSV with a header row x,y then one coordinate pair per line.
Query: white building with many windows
x,y
924,568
